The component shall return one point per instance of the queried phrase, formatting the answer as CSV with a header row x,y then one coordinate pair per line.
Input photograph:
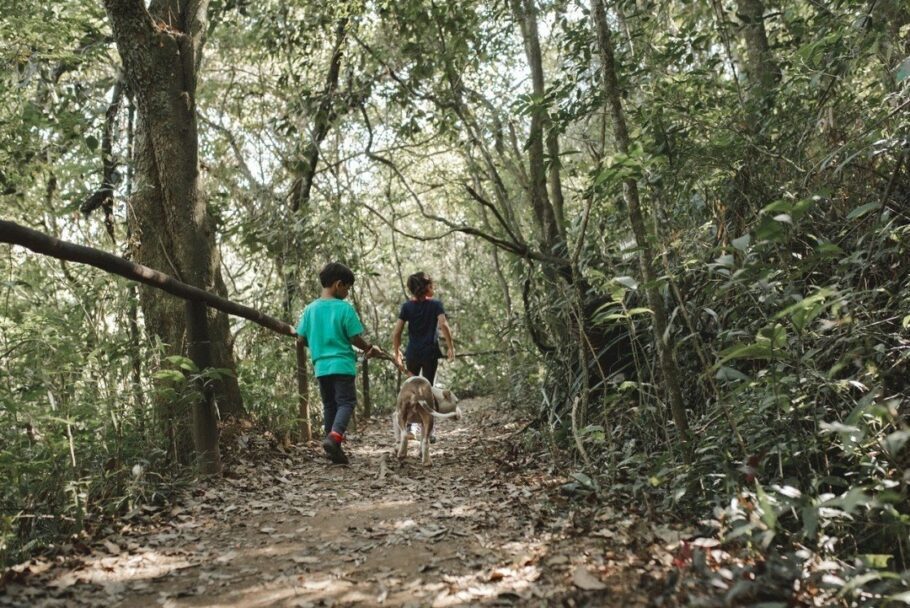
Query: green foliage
x,y
779,220
75,447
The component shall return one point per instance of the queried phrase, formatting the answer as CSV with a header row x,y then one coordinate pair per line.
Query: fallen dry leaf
x,y
111,547
509,536
583,579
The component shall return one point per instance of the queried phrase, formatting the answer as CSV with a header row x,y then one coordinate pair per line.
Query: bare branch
x,y
519,249
238,153
476,196
45,244
104,196
398,79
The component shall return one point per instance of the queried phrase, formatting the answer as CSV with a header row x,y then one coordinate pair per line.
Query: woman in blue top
x,y
426,318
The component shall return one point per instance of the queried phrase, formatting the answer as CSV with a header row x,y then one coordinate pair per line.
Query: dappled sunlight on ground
x,y
473,529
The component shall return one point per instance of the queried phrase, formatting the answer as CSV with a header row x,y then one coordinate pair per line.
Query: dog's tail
x,y
456,414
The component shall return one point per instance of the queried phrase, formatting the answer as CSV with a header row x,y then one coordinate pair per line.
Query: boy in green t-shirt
x,y
328,326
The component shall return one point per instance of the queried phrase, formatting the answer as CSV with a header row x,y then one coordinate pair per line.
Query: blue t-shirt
x,y
423,331
328,326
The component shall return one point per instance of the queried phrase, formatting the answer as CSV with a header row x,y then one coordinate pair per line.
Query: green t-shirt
x,y
328,326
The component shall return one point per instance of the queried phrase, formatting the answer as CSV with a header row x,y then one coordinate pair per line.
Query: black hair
x,y
419,284
333,271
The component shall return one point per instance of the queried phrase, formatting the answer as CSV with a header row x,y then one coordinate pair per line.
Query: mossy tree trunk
x,y
171,228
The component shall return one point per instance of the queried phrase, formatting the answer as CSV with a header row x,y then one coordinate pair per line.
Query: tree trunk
x,y
762,74
133,295
555,180
303,394
549,229
642,239
205,418
540,201
170,225
762,71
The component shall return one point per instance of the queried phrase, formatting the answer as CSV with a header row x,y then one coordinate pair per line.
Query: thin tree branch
x,y
325,115
104,196
519,249
502,221
238,153
398,79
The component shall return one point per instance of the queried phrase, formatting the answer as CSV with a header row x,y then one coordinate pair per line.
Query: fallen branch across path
x,y
39,242
205,430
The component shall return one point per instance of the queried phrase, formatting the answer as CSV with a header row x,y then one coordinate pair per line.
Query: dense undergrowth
x,y
799,421
790,308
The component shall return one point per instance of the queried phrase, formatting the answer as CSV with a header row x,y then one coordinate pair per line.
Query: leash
x,y
378,353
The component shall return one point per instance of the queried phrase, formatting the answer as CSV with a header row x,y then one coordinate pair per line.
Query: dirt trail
x,y
484,525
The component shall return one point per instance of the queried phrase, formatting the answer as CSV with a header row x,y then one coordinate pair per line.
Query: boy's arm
x,y
363,345
396,341
302,339
354,329
447,334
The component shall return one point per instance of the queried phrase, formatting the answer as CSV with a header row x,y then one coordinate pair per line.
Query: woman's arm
x,y
447,334
396,341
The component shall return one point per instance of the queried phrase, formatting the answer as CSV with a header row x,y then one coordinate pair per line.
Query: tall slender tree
x,y
762,70
544,212
643,237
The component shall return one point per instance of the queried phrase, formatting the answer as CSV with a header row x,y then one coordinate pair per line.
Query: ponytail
x,y
419,285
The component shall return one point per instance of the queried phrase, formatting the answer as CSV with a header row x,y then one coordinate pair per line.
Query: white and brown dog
x,y
418,401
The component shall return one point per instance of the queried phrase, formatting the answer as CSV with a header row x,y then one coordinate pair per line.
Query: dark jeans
x,y
339,396
423,367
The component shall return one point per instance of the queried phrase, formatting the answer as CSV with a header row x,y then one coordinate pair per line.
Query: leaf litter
x,y
487,524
